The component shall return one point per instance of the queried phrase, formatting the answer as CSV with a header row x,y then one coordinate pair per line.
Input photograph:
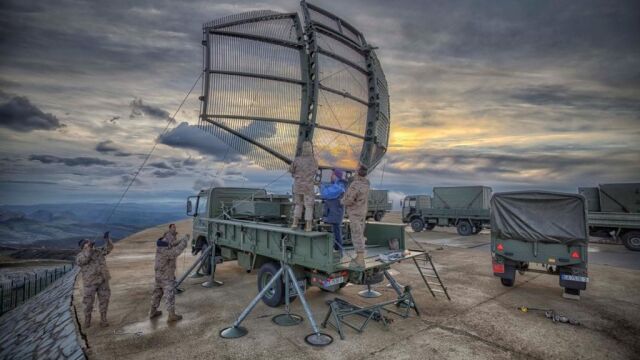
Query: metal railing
x,y
15,292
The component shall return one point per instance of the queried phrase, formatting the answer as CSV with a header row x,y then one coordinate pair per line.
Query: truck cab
x,y
412,208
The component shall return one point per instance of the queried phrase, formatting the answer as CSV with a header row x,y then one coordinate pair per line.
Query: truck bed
x,y
614,219
312,250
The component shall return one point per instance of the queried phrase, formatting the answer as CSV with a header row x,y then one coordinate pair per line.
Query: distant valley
x,y
60,226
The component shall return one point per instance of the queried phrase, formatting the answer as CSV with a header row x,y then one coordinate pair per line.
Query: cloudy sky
x,y
510,94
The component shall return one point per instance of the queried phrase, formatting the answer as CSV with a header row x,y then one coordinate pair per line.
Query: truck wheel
x,y
430,226
417,225
274,297
631,240
378,216
507,282
464,228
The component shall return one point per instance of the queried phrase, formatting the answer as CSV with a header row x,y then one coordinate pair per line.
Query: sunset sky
x,y
509,94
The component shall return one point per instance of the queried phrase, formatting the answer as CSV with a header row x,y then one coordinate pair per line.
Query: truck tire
x,y
631,240
507,282
417,225
378,216
275,296
464,228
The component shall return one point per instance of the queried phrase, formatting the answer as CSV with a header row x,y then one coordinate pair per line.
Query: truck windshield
x,y
202,206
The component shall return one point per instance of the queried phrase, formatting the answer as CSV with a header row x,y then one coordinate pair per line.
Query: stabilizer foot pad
x,y
319,339
209,284
233,332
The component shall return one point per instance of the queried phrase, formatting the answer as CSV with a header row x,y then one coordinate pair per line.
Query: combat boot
x,y
358,261
173,316
103,320
295,223
154,313
87,321
308,226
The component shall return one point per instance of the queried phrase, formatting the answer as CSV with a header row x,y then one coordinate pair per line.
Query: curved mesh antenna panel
x,y
270,85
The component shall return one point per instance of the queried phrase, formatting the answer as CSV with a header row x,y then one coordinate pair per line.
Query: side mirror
x,y
192,204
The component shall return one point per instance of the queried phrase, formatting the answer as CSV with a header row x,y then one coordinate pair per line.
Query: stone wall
x,y
44,326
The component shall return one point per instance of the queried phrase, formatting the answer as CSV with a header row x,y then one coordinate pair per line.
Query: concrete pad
x,y
480,322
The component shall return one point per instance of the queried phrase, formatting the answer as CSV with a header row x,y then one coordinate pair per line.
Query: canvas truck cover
x,y
539,216
461,197
623,198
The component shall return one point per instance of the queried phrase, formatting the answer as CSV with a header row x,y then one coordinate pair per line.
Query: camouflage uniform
x,y
166,270
304,169
95,279
355,203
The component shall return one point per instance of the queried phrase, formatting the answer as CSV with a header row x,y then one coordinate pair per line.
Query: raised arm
x,y
109,247
108,244
178,249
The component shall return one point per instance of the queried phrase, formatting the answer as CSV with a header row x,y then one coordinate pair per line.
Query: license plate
x,y
568,277
334,281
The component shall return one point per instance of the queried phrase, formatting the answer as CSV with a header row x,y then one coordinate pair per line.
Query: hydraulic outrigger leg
x,y
315,339
193,266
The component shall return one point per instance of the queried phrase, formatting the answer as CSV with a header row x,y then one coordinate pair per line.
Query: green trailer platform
x,y
263,245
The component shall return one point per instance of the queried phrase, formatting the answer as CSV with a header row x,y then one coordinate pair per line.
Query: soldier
x,y
333,214
355,202
168,248
304,169
95,278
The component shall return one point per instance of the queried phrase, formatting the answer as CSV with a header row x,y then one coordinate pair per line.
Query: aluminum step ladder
x,y
430,275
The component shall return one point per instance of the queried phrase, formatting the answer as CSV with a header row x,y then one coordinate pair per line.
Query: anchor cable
x,y
170,121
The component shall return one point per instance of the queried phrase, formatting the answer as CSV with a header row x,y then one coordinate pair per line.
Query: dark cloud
x,y
191,137
139,108
558,95
125,180
233,172
517,165
20,114
109,147
160,165
37,182
190,162
259,129
164,173
207,183
76,161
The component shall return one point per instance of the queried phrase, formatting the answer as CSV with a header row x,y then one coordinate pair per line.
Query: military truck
x,y
614,211
378,204
251,227
465,207
541,227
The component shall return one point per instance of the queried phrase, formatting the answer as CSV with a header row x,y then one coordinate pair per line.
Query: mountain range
x,y
61,226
